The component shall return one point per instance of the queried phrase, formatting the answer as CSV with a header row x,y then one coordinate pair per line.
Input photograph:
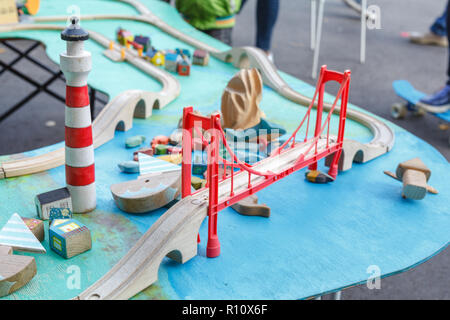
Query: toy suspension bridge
x,y
175,233
288,158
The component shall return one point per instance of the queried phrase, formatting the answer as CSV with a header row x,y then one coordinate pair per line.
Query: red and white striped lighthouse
x,y
80,168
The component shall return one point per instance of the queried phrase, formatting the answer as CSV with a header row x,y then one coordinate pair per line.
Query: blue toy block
x,y
69,237
60,213
199,164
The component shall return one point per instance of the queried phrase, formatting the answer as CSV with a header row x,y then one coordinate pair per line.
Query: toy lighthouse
x,y
80,169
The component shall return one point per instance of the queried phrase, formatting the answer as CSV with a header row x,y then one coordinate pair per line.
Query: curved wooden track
x,y
175,233
117,114
120,111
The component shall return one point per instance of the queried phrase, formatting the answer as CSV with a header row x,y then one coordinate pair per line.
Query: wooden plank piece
x,y
250,207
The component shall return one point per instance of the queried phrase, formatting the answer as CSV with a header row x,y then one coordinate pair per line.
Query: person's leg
x,y
442,97
447,18
266,17
224,35
436,36
242,5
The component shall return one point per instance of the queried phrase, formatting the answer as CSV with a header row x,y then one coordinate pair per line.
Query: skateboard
x,y
405,90
412,103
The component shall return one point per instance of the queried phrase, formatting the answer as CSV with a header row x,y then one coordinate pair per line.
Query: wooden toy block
x,y
171,62
201,57
250,207
197,182
430,189
31,7
17,235
176,137
69,237
15,271
143,41
161,149
199,164
129,166
174,150
183,52
183,68
60,213
59,198
199,168
147,151
316,176
159,140
148,193
157,58
135,141
124,36
414,174
8,12
150,165
36,226
172,158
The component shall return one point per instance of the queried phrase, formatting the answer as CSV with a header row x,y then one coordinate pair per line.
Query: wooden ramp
x,y
174,234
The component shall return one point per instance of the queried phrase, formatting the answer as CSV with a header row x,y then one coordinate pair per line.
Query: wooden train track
x,y
174,234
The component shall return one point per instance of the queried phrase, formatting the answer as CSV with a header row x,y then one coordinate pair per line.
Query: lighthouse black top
x,y
74,32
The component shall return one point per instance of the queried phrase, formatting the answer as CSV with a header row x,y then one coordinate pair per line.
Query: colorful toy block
x,y
155,57
17,235
148,165
199,164
201,57
145,42
171,62
161,149
59,213
157,141
198,183
129,166
59,198
134,141
124,36
36,226
69,237
183,68
147,151
316,176
183,52
172,158
174,150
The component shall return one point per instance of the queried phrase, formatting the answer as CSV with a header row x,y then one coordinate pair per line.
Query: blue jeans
x,y
439,27
266,17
